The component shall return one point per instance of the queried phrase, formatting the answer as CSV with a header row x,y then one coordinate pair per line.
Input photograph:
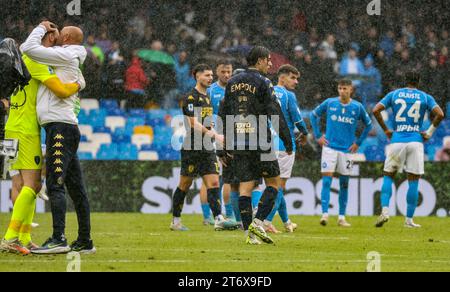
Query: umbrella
x,y
156,57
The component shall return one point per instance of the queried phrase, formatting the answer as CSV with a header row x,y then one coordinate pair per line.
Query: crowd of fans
x,y
324,40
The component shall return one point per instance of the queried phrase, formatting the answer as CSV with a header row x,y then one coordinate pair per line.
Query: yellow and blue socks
x,y
343,195
23,211
412,198
325,195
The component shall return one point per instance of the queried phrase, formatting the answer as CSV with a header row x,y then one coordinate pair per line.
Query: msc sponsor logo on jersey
x,y
341,119
408,128
217,95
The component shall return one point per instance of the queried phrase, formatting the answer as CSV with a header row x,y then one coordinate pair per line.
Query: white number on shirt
x,y
414,111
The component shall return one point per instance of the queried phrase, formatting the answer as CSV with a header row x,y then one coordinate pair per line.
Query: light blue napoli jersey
x,y
409,107
342,122
291,112
216,93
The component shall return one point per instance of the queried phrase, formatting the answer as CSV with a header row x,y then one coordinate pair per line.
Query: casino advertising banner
x,y
147,187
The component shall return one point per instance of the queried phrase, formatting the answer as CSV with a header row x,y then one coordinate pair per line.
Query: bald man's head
x,y
70,35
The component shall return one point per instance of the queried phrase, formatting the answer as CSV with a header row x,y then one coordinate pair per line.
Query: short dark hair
x,y
200,68
287,69
224,62
256,53
345,82
412,78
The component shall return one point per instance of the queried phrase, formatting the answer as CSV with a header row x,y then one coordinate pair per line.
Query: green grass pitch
x,y
136,242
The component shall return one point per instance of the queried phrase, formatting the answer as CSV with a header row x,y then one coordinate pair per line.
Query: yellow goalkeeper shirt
x,y
23,118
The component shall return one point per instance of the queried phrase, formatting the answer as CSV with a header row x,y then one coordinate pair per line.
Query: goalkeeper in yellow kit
x,y
23,125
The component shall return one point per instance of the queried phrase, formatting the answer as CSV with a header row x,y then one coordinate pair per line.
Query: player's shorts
x,y
249,166
336,161
408,157
286,163
229,173
30,152
198,163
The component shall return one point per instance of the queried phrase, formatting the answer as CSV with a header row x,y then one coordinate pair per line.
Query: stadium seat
x,y
86,130
109,104
157,114
128,152
97,121
175,112
115,122
85,156
141,139
448,110
84,138
88,147
89,104
136,121
121,138
137,113
148,156
148,148
101,138
156,122
101,112
146,130
115,112
102,129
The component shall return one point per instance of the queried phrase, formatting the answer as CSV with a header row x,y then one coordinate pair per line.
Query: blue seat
x,y
175,112
119,139
128,151
137,113
109,104
102,129
101,112
84,138
156,122
136,121
96,121
85,156
115,112
108,152
121,131
375,153
448,109
157,114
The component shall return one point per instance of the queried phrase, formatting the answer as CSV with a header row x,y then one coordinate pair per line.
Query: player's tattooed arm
x,y
377,113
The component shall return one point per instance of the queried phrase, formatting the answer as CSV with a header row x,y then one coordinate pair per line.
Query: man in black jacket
x,y
249,106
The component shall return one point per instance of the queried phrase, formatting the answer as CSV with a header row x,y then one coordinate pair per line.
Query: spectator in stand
x,y
443,154
104,42
371,88
185,81
96,51
115,70
387,43
329,46
351,66
433,81
135,83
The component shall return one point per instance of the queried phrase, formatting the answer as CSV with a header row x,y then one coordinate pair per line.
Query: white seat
x,y
141,139
86,130
89,104
148,156
101,138
114,122
88,147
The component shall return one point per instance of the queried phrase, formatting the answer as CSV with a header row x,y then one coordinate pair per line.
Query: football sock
x,y
234,198
325,196
214,201
245,207
412,198
256,197
267,203
178,202
24,205
343,194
